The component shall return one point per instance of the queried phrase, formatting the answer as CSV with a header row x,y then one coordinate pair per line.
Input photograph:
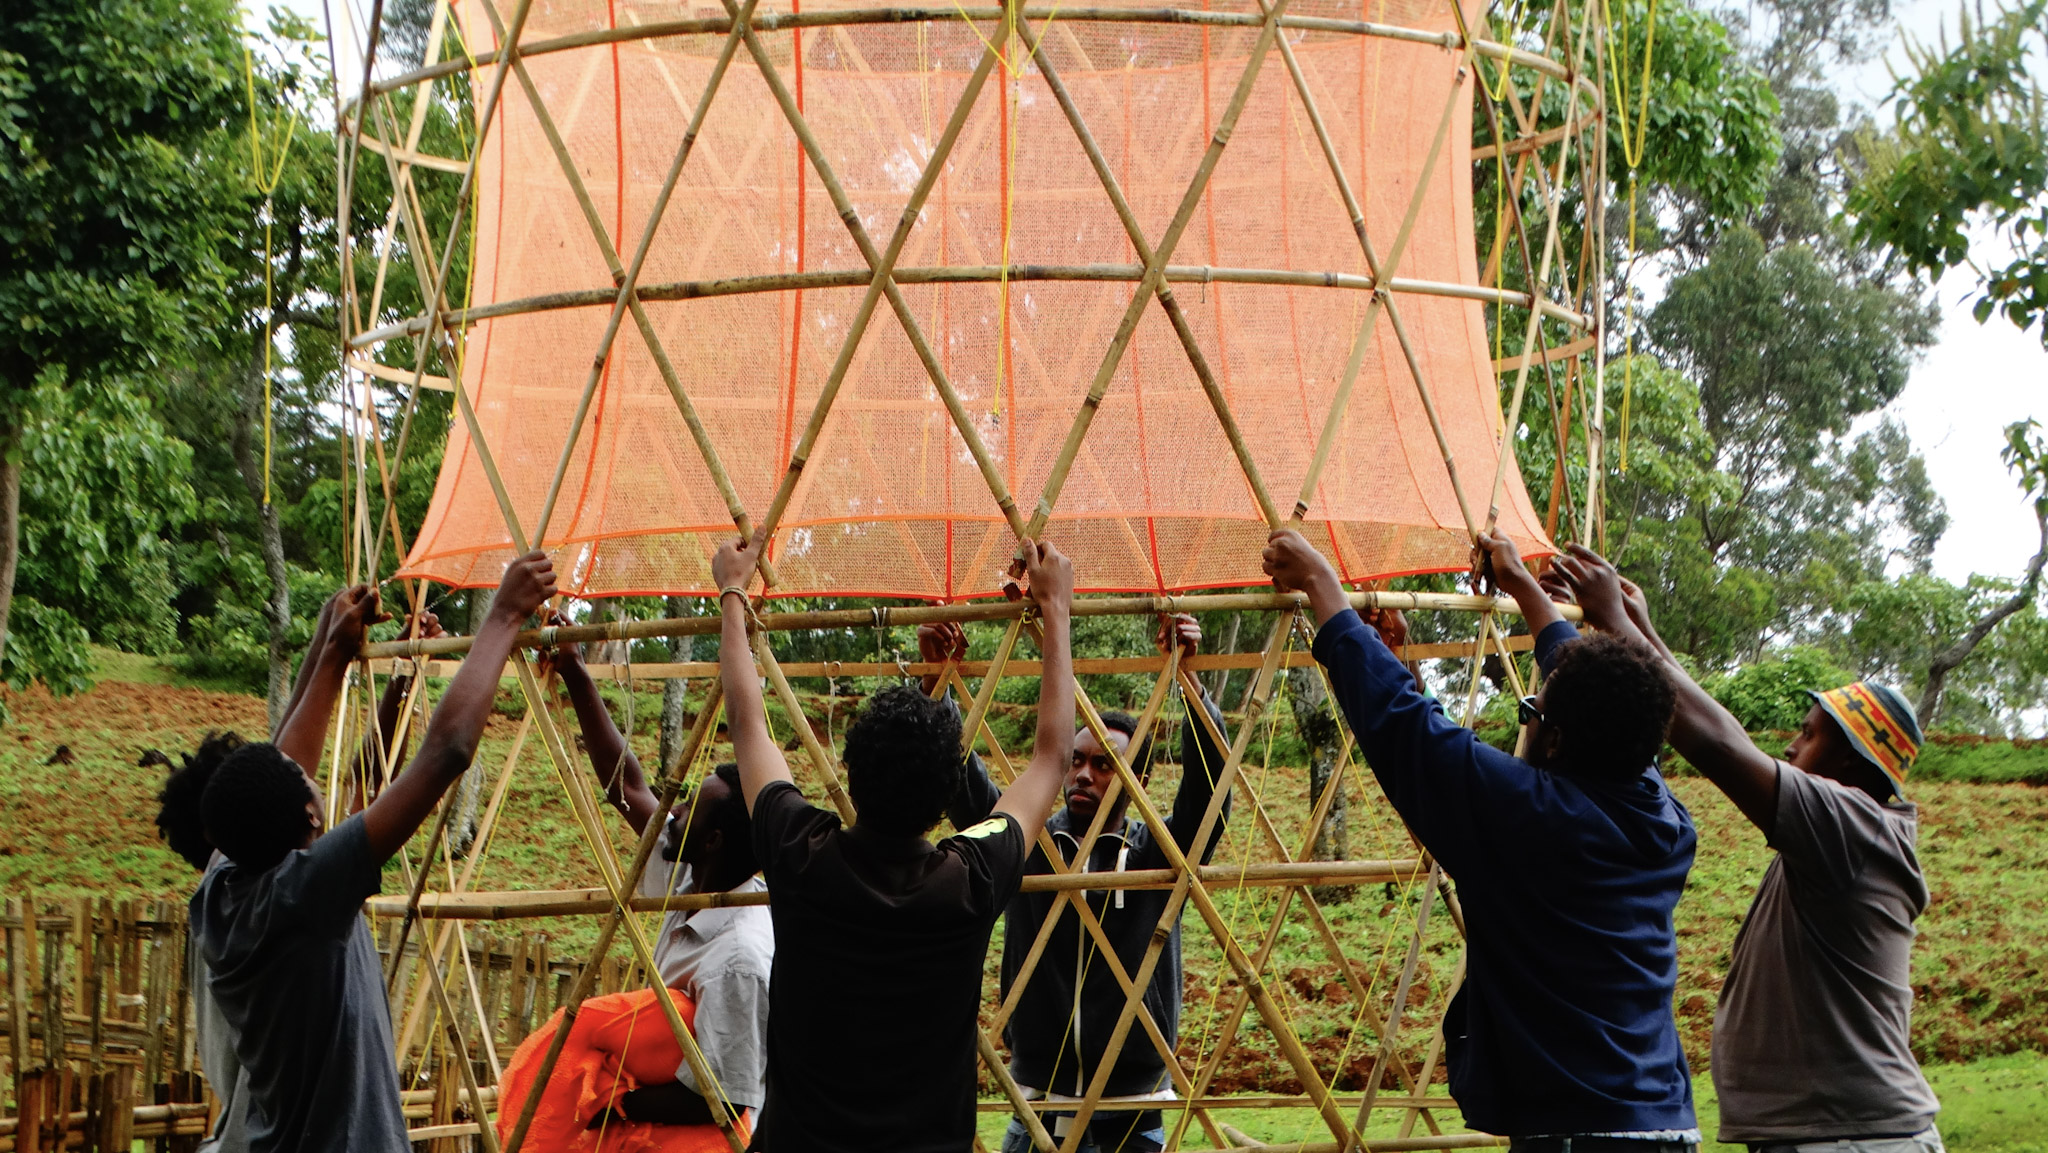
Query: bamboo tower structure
x,y
897,286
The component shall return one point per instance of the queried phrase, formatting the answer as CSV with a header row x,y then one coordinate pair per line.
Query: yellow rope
x,y
267,185
1632,152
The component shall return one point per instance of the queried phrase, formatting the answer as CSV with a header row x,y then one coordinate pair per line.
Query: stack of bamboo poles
x,y
98,1027
104,986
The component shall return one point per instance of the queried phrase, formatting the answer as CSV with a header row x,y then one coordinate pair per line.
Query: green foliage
x,y
1971,141
1988,762
103,481
1770,694
230,643
1896,626
115,189
1712,135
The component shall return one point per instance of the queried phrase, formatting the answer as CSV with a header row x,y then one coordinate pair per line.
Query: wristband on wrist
x,y
730,590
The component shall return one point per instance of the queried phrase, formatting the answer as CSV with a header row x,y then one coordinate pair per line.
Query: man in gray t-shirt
x,y
1812,1038
280,926
293,968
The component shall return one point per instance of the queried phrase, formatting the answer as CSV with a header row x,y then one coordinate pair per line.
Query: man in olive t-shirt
x,y
1812,1039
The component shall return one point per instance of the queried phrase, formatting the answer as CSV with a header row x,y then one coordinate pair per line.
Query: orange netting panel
x,y
891,503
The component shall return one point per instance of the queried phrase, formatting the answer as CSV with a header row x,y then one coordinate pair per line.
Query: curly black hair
x,y
736,823
903,762
177,815
1610,702
254,808
1140,758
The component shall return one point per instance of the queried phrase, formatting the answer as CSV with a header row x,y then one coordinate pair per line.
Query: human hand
x,y
1597,587
561,654
1296,566
424,626
528,583
1391,624
1178,629
734,563
355,609
1555,586
1505,562
1637,605
1050,575
942,642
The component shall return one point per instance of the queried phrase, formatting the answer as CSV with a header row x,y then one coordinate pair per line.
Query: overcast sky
x,y
1969,387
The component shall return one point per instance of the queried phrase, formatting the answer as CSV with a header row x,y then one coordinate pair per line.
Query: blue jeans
x,y
1118,1132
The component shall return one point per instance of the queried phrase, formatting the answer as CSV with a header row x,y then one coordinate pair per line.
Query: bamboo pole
x,y
778,282
671,786
1390,1032
882,264
713,462
630,279
485,905
789,21
1012,611
1084,666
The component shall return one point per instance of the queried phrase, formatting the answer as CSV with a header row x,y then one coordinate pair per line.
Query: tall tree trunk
x,y
1319,729
1946,660
270,538
673,693
10,520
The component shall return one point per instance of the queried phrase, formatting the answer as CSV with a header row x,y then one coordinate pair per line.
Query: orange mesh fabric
x,y
890,502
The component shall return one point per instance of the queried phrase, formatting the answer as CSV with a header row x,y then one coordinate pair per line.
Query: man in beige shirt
x,y
1812,1038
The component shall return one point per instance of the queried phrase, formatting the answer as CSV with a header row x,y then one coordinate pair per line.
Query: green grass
x,y
1996,1105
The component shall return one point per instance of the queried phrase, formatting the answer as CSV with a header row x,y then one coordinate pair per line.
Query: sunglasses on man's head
x,y
1526,711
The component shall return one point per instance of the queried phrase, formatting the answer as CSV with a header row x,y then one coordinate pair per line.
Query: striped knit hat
x,y
1879,724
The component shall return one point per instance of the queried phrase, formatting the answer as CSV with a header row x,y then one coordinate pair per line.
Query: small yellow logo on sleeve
x,y
987,828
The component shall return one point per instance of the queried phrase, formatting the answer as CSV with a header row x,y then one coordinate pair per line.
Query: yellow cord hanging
x,y
1632,152
267,185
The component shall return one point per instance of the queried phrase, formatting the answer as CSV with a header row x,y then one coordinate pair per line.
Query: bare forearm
x,y
450,742
314,648
1538,610
746,716
303,732
1032,794
618,770
375,754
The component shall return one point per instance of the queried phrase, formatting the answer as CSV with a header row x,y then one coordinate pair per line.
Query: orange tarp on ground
x,y
619,1042
890,502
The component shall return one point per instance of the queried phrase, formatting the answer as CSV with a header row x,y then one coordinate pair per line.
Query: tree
x,y
1970,144
2026,454
115,197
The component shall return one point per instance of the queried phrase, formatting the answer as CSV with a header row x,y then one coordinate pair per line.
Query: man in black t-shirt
x,y
880,934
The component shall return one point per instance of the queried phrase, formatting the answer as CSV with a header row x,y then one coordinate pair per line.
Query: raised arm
x,y
1702,731
1442,779
746,716
611,758
303,732
313,647
1201,759
379,751
936,644
458,721
1030,797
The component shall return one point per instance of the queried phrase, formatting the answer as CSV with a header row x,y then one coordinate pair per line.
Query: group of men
x,y
843,1015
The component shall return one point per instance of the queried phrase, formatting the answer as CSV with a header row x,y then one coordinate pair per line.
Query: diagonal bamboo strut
x,y
629,281
1436,1049
883,265
671,786
1382,275
701,436
1389,1034
1189,886
620,886
1154,284
820,756
1331,945
1554,196
1088,920
1146,257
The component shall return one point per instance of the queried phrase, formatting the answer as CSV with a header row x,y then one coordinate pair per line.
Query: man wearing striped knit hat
x,y
1811,1039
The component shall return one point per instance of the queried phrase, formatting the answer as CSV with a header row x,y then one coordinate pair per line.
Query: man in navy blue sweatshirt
x,y
1569,863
